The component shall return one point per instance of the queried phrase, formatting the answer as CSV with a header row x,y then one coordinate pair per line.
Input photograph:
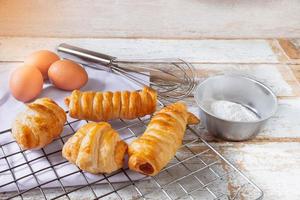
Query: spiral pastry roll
x,y
95,148
104,106
163,136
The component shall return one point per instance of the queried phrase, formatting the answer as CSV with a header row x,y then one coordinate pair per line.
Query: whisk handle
x,y
84,56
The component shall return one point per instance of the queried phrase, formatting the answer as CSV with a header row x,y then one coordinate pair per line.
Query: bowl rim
x,y
243,77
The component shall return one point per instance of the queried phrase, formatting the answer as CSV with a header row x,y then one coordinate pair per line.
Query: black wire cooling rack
x,y
197,171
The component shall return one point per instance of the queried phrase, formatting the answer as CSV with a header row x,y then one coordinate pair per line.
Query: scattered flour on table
x,y
232,111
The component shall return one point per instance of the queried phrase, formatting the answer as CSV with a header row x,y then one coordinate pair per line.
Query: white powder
x,y
232,111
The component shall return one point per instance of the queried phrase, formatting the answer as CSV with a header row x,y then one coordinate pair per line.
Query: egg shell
x,y
42,60
67,75
26,83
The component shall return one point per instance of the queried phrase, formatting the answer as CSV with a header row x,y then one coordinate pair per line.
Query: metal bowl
x,y
245,91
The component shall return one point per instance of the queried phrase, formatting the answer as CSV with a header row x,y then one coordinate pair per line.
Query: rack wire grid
x,y
197,171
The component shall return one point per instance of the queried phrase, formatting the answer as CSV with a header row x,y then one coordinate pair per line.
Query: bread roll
x,y
152,151
39,124
96,148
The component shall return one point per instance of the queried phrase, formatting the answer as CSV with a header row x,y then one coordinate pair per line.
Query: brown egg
x,y
67,75
26,83
42,60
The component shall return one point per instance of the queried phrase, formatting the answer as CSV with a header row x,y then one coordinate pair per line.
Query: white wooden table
x,y
210,34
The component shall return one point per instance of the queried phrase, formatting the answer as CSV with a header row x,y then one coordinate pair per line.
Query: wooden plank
x,y
278,77
285,123
286,50
152,19
291,49
273,166
296,71
296,43
197,51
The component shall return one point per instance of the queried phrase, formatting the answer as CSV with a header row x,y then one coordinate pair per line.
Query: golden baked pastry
x,y
96,148
39,124
152,151
104,106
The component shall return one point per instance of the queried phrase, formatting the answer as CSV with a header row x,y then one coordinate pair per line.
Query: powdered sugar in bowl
x,y
234,107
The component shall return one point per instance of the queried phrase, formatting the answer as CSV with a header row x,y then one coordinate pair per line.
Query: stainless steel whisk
x,y
173,79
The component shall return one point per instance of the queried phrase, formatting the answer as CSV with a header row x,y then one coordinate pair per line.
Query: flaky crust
x,y
104,106
39,124
96,148
157,146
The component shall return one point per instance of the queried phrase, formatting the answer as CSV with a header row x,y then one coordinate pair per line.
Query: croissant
x,y
104,106
39,124
95,148
152,151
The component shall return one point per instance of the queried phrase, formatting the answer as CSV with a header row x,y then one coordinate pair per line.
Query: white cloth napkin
x,y
41,165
